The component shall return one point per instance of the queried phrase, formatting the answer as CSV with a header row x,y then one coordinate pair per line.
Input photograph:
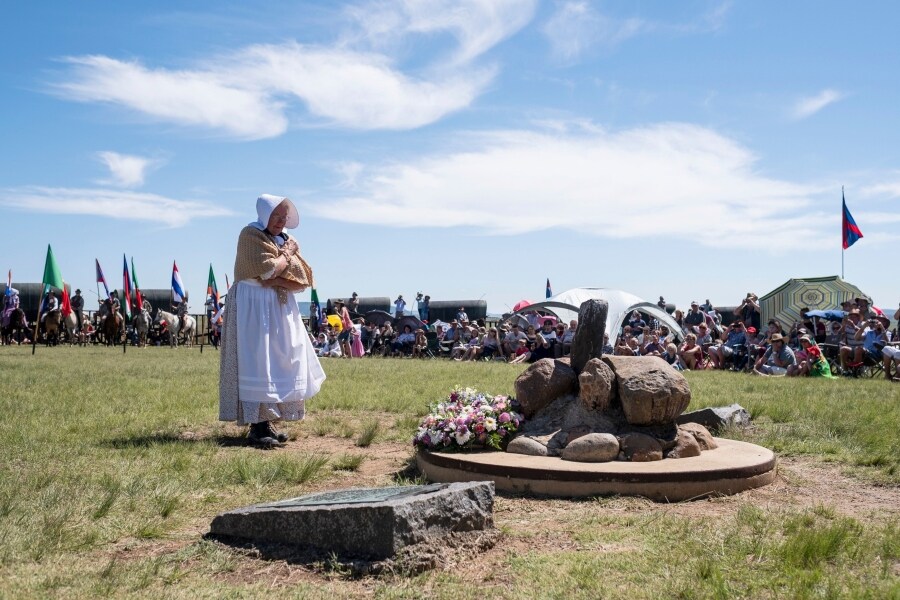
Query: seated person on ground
x,y
511,340
652,347
420,345
671,356
690,353
777,359
813,363
851,346
331,348
704,337
490,346
522,353
564,345
404,342
734,337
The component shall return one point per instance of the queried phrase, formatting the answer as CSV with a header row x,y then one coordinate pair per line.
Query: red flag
x,y
126,288
66,303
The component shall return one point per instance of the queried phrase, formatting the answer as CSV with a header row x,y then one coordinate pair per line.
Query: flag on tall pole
x,y
101,278
549,291
212,290
315,314
52,278
850,233
178,292
126,288
138,300
8,284
227,283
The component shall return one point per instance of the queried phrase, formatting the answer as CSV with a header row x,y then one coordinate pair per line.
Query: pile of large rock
x,y
596,408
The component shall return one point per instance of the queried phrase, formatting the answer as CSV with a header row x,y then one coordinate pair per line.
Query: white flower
x,y
462,438
490,424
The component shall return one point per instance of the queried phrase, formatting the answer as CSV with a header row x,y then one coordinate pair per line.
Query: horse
x,y
112,329
141,325
14,327
190,325
51,327
69,325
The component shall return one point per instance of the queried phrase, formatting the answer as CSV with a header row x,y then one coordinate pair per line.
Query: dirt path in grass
x,y
547,526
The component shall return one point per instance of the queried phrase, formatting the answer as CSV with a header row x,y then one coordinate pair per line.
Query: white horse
x,y
141,324
70,324
190,326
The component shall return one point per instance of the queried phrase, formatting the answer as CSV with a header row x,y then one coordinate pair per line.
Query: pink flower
x,y
505,418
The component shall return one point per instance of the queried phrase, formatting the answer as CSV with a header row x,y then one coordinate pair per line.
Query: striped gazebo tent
x,y
815,293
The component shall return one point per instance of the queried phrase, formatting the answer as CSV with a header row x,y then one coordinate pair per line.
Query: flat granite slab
x,y
364,522
731,468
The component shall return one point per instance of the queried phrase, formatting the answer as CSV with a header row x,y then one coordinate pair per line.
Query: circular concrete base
x,y
731,468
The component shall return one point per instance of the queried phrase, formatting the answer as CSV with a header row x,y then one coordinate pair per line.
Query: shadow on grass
x,y
172,439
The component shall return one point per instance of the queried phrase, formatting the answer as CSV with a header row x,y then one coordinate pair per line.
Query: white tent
x,y
567,304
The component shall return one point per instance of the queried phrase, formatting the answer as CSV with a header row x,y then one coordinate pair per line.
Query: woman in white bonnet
x,y
269,367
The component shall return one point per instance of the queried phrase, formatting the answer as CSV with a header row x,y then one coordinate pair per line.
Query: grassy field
x,y
113,465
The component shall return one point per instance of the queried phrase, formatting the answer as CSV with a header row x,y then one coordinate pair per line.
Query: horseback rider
x,y
146,308
182,312
50,304
78,308
114,298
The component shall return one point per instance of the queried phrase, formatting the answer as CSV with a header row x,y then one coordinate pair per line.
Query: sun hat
x,y
777,337
267,203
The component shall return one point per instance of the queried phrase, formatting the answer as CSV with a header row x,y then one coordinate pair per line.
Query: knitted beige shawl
x,y
256,256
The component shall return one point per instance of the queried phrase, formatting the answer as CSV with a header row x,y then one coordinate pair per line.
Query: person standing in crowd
x,y
399,306
353,303
268,366
694,317
423,306
748,311
661,303
346,329
461,315
78,309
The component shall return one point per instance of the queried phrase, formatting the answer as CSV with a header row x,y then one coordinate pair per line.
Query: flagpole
x,y
37,321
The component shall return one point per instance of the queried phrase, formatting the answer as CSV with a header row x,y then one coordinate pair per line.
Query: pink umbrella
x,y
521,304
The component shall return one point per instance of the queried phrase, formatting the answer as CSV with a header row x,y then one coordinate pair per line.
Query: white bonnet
x,y
266,203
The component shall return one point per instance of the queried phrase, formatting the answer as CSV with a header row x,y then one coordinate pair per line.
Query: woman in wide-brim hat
x,y
268,365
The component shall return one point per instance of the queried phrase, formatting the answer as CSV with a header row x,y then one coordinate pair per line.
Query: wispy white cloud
x,y
203,98
476,25
889,189
125,170
253,92
677,181
577,26
806,107
113,204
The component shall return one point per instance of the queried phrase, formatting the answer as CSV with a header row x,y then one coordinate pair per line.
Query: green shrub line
x,y
113,464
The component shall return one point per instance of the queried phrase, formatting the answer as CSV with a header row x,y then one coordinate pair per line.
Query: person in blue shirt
x,y
734,337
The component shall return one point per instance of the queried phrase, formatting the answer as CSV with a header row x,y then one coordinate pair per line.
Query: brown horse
x,y
51,327
15,331
112,329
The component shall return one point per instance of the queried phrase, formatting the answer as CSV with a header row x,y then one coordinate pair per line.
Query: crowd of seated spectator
x,y
809,347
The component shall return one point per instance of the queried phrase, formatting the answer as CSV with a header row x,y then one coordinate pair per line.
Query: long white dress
x,y
269,367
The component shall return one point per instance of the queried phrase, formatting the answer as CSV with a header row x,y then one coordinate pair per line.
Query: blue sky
x,y
467,149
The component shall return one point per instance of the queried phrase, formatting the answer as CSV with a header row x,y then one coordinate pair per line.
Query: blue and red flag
x,y
101,278
549,291
849,229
